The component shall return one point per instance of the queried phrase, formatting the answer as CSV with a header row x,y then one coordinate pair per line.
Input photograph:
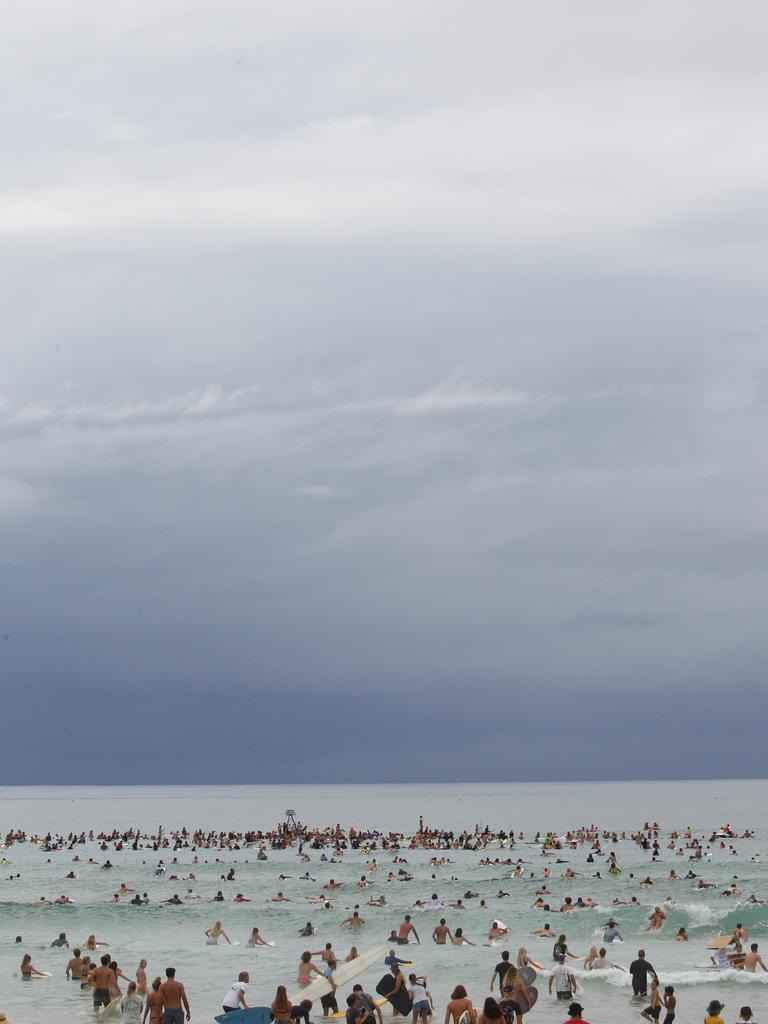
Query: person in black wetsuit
x,y
639,970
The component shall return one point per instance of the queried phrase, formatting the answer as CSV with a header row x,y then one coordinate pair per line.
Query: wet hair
x,y
352,998
746,1012
306,956
157,983
280,1003
105,959
170,972
491,1009
459,992
75,951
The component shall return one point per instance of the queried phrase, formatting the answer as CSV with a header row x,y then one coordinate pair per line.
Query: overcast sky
x,y
383,390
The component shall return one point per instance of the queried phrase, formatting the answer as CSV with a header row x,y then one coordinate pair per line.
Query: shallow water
x,y
175,935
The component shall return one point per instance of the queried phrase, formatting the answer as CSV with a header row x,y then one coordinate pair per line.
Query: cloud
x,y
211,401
395,353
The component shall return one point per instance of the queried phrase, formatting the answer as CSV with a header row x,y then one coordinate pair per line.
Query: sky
x,y
383,391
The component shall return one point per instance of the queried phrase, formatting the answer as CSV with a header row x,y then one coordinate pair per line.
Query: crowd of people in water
x,y
512,992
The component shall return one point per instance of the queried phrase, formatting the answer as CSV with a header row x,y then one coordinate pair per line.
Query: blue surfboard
x,y
253,1015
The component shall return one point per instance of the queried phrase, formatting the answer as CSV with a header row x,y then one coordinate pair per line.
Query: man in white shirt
x,y
235,998
564,980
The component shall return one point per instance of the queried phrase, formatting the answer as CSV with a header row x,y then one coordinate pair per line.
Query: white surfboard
x,y
345,972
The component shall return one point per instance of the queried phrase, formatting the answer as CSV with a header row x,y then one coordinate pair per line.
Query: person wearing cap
x,y
714,1010
575,1011
563,978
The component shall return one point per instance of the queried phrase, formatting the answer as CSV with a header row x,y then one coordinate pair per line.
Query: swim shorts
x,y
423,1004
173,1015
101,997
565,994
669,1018
652,1011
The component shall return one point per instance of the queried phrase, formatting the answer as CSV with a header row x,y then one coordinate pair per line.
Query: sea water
x,y
175,935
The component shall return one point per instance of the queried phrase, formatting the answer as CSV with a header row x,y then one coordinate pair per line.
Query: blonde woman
x,y
523,960
212,934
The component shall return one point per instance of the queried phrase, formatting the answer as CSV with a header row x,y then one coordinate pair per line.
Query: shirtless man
x,y
355,921
752,959
172,998
496,931
326,954
104,981
74,968
405,929
441,933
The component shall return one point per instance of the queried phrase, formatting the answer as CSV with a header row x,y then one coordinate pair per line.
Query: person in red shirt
x,y
575,1011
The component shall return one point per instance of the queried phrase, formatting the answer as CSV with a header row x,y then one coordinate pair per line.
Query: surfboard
x,y
532,994
253,1015
527,975
111,1011
402,1002
465,1018
343,1013
346,972
720,942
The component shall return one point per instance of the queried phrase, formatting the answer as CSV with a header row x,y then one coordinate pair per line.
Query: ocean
x,y
175,935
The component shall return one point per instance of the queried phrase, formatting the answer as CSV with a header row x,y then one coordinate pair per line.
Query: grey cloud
x,y
387,363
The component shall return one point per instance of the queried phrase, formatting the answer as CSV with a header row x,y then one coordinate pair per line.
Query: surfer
x,y
306,968
640,969
27,970
601,963
752,960
104,981
563,979
458,1005
173,999
496,931
255,939
421,998
354,921
235,997
441,932
132,1005
405,930
500,970
74,968
656,919
212,934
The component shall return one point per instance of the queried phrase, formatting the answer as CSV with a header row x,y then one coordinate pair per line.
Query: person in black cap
x,y
714,1010
575,1011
